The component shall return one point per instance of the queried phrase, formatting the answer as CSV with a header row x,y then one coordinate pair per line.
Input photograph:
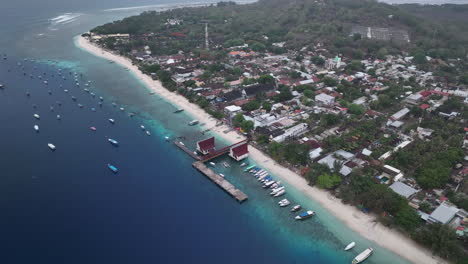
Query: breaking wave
x,y
63,19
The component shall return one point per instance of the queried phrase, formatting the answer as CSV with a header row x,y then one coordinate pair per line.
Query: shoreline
x,y
361,223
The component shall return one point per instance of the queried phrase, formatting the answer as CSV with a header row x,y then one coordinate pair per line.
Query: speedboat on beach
x,y
305,215
350,246
363,256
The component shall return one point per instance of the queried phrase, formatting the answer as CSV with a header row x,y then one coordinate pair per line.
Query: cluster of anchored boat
x,y
76,78
277,190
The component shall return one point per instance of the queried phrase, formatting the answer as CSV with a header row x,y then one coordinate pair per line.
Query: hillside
x,y
299,23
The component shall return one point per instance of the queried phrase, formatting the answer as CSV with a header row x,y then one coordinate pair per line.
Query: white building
x,y
324,99
443,214
292,132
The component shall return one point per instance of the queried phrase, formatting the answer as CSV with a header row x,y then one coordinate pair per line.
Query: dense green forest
x,y
302,23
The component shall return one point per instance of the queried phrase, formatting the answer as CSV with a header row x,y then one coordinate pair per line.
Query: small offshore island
x,y
365,100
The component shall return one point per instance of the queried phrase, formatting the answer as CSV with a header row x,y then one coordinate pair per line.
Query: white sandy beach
x,y
362,223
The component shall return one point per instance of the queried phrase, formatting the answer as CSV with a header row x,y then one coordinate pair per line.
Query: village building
x,y
443,214
206,146
239,152
324,99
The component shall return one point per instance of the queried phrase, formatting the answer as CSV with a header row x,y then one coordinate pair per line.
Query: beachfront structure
x,y
239,152
443,214
206,146
231,111
292,132
403,189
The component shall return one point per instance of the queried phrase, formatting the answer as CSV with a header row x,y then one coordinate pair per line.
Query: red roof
x,y
424,106
207,144
240,150
425,93
466,129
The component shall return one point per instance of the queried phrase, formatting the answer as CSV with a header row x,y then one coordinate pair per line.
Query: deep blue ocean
x,y
66,206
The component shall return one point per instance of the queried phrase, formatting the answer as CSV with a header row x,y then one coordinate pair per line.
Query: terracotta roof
x,y
207,144
424,106
240,150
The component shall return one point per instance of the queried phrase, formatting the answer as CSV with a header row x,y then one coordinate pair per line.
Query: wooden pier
x,y
220,181
186,150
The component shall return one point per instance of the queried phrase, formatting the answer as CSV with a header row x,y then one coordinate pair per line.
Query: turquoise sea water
x,y
66,207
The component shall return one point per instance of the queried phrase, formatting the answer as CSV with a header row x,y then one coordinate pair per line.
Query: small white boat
x,y
363,256
276,190
142,127
226,165
222,175
122,109
59,117
305,215
148,133
36,127
51,146
193,122
212,164
280,193
296,208
243,164
350,246
111,120
284,203
37,116
166,138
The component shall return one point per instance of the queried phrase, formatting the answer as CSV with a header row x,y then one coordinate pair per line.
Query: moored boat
x,y
36,127
193,122
212,164
284,203
276,190
280,193
93,128
37,116
350,246
51,146
249,168
148,133
305,215
112,168
363,256
111,120
296,208
113,141
178,110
